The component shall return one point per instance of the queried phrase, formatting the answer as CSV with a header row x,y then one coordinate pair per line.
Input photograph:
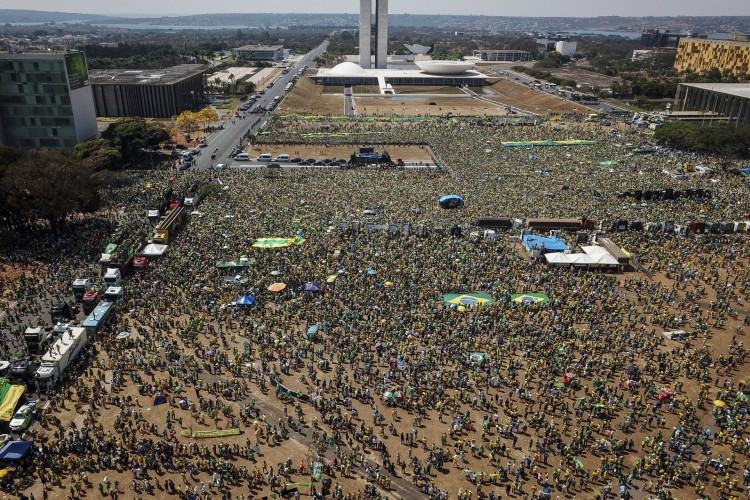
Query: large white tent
x,y
593,256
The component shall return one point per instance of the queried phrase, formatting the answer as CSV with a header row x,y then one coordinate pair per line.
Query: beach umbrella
x,y
451,201
719,403
313,330
277,287
461,308
388,283
275,273
211,352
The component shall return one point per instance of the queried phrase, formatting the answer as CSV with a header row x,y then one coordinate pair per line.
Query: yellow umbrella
x,y
3,473
719,403
388,283
277,287
331,278
461,309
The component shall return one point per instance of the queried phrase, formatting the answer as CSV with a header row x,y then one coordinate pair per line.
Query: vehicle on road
x,y
265,157
242,157
22,418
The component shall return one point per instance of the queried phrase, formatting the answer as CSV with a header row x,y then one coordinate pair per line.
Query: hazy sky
x,y
487,7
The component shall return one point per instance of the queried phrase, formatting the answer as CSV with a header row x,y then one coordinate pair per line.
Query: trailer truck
x,y
59,357
37,338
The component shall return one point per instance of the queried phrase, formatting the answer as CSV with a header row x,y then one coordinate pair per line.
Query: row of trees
x,y
726,139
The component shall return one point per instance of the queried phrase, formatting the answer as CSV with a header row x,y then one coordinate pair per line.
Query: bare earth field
x,y
523,97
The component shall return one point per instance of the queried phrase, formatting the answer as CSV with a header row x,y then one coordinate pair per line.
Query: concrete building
x,y
660,38
566,48
380,31
45,100
718,100
431,73
259,52
502,55
701,55
159,93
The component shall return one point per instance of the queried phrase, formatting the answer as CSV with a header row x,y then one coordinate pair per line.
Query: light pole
x,y
192,100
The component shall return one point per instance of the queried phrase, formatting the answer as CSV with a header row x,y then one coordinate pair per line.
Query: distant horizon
x,y
509,8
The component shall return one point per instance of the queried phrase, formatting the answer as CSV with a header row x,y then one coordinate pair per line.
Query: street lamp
x,y
192,100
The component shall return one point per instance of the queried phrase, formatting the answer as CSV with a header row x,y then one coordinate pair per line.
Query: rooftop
x,y
712,41
166,76
349,69
260,47
735,89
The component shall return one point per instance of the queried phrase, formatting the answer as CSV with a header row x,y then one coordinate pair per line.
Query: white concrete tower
x,y
365,33
381,34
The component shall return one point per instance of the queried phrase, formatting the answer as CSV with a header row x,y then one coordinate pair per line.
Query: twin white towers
x,y
366,30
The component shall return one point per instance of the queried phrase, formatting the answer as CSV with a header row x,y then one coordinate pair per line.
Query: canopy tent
x,y
10,401
451,201
593,256
312,287
528,298
467,299
278,242
277,287
14,451
159,399
153,250
535,242
246,300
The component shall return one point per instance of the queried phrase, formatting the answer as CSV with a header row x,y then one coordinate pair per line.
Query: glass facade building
x,y
45,101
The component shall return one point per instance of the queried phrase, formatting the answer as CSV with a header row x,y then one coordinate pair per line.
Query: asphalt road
x,y
235,129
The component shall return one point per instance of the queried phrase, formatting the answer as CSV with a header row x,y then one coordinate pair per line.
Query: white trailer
x,y
37,338
59,357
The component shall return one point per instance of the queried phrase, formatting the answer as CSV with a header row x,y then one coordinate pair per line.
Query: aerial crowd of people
x,y
354,378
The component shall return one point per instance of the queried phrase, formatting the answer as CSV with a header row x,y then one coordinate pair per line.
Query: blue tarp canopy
x,y
312,287
246,300
545,245
16,450
451,201
745,170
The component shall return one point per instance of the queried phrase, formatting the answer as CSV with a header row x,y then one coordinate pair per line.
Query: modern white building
x,y
566,48
366,31
430,73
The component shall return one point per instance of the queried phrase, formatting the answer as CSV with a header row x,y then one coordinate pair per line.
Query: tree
x,y
100,153
188,122
48,185
132,135
207,116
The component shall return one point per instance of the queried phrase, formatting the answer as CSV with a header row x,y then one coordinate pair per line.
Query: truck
x,y
60,355
60,311
81,286
37,338
168,227
90,300
22,371
114,294
113,276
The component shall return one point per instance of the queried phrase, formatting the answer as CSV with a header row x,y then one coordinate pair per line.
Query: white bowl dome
x,y
346,69
444,67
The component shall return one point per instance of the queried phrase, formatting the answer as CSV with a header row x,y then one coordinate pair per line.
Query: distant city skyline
x,y
521,8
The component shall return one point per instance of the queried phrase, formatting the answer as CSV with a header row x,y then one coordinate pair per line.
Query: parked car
x,y
22,418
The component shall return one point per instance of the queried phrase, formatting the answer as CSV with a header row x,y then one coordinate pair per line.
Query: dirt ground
x,y
523,97
581,74
307,98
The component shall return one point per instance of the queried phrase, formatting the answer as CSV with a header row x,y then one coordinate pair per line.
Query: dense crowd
x,y
373,373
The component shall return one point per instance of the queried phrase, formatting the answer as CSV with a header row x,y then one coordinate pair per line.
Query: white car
x,y
22,418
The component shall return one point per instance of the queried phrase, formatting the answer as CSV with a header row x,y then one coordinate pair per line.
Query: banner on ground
x,y
210,434
570,142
